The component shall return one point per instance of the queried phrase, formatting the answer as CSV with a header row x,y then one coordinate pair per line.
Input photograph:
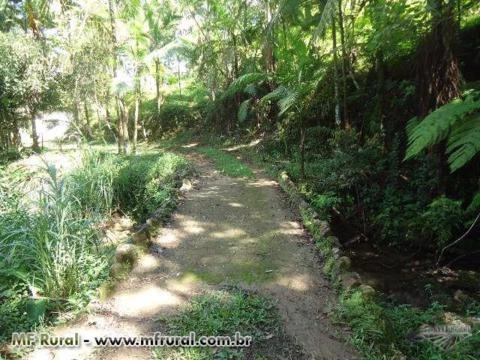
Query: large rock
x,y
350,280
343,264
367,291
186,185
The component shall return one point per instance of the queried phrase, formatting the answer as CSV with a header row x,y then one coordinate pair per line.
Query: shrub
x,y
442,220
323,203
149,182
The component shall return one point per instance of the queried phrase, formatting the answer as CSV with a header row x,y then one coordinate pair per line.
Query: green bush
x,y
179,110
442,220
323,203
52,251
92,182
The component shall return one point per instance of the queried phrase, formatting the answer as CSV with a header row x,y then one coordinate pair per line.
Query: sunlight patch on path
x,y
144,302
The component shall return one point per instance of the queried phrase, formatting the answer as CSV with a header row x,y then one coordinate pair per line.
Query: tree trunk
x,y
179,76
438,74
346,121
35,145
135,124
108,122
269,41
235,56
379,67
76,111
123,123
16,140
302,149
88,129
120,128
97,109
338,120
122,134
157,85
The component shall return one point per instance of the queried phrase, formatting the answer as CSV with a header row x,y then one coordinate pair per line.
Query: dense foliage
x,y
372,107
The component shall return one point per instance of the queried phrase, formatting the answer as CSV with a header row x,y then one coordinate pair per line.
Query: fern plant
x,y
458,122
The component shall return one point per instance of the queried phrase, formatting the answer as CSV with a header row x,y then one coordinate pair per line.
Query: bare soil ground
x,y
228,231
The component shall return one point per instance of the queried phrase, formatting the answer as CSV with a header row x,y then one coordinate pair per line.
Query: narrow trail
x,y
226,231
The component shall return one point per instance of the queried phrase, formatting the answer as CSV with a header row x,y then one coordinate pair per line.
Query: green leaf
x,y
437,125
277,94
464,142
288,101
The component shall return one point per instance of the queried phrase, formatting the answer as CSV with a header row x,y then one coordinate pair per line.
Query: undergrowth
x,y
52,257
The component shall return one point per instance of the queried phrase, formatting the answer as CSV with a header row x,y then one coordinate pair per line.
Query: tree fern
x,y
457,121
277,94
464,142
250,89
288,101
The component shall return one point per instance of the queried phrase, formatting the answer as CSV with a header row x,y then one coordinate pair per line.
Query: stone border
x,y
128,252
337,265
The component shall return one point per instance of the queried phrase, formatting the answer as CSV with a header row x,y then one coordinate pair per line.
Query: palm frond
x,y
412,124
328,11
240,83
277,94
250,89
285,8
446,336
474,205
288,101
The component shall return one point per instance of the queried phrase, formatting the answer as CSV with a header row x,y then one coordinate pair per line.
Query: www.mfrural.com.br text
x,y
157,339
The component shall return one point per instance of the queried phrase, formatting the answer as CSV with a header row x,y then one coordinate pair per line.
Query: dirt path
x,y
228,231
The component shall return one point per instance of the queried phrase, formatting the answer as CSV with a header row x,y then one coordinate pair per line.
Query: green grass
x,y
225,163
223,313
149,182
53,247
383,330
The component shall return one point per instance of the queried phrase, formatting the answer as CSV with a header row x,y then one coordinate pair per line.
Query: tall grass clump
x,y
51,253
148,183
92,183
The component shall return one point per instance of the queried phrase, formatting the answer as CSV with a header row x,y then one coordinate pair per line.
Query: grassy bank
x,y
52,257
